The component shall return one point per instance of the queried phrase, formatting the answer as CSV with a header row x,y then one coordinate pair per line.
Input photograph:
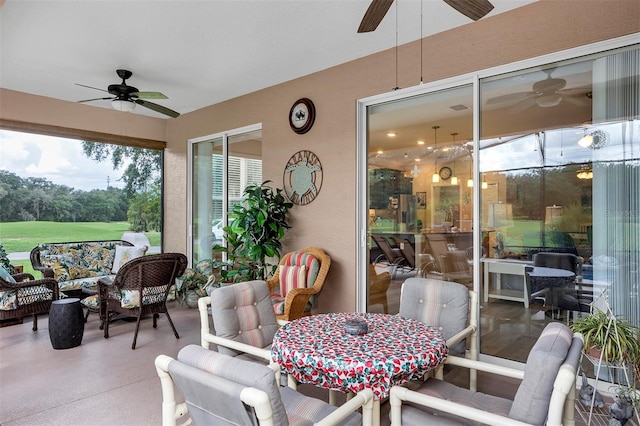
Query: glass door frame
x,y
362,212
224,136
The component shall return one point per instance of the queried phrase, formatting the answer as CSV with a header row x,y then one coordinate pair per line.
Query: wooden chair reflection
x,y
438,248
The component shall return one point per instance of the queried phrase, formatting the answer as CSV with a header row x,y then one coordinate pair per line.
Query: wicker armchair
x,y
28,295
291,298
140,288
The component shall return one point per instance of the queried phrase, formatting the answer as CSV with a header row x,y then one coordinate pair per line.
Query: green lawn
x,y
23,236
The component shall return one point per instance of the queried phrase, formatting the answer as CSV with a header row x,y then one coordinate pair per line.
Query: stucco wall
x,y
329,222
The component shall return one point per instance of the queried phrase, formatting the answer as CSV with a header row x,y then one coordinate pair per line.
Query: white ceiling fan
x,y
545,93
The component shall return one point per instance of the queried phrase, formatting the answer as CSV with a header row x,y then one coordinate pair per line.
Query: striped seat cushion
x,y
299,270
309,261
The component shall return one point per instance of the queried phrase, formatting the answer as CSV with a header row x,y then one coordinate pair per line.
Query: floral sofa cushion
x,y
78,265
128,299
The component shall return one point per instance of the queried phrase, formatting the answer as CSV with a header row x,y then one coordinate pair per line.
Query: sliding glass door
x,y
420,183
221,167
503,166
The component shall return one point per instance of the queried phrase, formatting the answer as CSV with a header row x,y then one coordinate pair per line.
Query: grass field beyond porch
x,y
23,236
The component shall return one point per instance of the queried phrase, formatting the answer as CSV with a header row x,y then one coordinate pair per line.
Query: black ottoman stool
x,y
66,323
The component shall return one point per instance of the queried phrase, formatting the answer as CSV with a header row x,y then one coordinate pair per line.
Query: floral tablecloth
x,y
317,350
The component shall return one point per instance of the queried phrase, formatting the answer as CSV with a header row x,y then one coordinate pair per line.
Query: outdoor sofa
x,y
79,265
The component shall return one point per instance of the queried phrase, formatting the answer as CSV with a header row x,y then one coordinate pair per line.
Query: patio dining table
x,y
317,350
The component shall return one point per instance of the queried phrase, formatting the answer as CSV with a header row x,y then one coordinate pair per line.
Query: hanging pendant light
x,y
436,177
454,178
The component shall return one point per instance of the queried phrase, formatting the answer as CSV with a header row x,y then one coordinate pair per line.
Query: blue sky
x,y
58,160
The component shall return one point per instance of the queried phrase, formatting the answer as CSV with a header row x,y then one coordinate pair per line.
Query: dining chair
x,y
447,305
219,389
438,247
574,298
139,288
457,267
243,320
378,285
546,394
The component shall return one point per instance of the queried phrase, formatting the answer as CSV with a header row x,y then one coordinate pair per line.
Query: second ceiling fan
x,y
473,9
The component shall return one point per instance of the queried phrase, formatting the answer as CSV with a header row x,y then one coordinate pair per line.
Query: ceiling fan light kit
x,y
549,100
123,105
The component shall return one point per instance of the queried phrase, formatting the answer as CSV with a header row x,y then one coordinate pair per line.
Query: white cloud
x,y
58,160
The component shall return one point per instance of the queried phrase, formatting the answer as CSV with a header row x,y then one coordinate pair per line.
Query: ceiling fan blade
x,y
576,100
524,105
157,108
149,95
510,98
90,87
374,15
473,9
96,99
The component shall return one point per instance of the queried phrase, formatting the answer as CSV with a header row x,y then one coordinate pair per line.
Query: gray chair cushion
x,y
531,402
211,399
231,375
245,373
441,304
243,312
304,410
414,414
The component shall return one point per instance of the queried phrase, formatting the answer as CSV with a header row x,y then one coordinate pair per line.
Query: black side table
x,y
66,323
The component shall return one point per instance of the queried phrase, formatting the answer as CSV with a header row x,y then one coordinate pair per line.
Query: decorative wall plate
x,y
302,115
302,177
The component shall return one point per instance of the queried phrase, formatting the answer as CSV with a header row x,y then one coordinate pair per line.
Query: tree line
x,y
139,203
38,199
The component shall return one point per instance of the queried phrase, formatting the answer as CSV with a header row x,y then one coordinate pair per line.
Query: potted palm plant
x,y
254,235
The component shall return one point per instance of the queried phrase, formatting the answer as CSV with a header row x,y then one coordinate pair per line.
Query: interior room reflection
x,y
546,143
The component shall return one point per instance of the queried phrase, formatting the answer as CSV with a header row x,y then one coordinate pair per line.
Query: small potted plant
x,y
194,282
611,339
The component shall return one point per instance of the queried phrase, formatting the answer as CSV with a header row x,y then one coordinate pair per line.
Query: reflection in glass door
x,y
420,192
221,168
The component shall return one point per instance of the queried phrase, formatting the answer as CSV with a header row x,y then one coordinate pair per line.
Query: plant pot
x,y
191,299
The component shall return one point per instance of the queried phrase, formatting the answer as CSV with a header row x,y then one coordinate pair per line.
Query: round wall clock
x,y
302,115
302,177
445,173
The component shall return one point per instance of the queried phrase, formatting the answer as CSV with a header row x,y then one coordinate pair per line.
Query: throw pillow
x,y
125,254
5,275
7,298
292,277
64,266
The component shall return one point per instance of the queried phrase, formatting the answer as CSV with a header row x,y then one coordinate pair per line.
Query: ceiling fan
x,y
544,93
126,97
473,9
